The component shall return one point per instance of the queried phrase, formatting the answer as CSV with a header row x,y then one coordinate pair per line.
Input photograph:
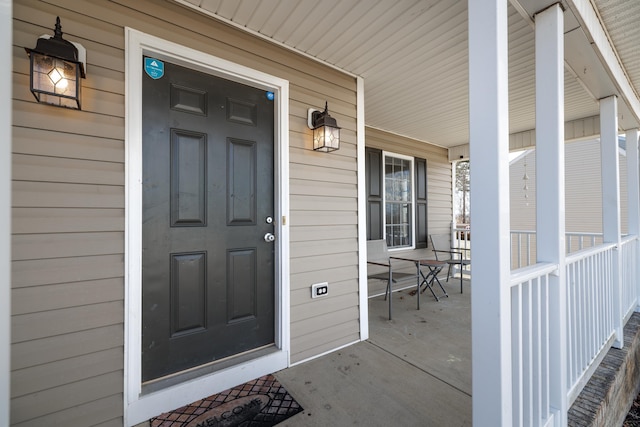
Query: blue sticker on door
x,y
154,68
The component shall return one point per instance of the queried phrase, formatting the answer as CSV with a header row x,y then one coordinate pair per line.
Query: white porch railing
x,y
461,237
523,248
590,319
579,241
530,344
523,245
591,323
629,276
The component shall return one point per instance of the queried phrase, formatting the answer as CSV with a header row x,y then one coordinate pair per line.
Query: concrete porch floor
x,y
414,370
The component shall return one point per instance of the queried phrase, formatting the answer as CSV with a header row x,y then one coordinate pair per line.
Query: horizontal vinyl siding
x,y
439,197
323,207
69,217
583,185
68,238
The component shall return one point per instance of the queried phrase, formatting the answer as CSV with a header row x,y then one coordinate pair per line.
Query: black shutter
x,y
374,193
421,202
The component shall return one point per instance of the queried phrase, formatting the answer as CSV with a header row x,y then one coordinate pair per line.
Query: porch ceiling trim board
x,y
597,36
574,130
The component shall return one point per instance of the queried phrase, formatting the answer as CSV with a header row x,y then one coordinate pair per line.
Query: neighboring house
x,y
184,203
583,197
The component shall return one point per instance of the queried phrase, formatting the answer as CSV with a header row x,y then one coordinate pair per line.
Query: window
x,y
398,200
402,227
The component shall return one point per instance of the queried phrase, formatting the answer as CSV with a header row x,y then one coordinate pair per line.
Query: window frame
x,y
412,202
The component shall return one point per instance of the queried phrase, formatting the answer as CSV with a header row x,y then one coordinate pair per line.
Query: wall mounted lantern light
x,y
56,68
326,133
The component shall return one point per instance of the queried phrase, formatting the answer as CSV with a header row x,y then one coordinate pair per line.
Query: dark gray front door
x,y
207,271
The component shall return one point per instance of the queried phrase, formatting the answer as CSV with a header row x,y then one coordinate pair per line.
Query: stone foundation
x,y
608,395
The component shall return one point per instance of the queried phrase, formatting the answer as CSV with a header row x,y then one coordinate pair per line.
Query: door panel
x,y
208,274
241,178
188,178
241,286
188,290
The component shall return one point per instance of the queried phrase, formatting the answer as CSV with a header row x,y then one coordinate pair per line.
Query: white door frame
x,y
6,55
139,407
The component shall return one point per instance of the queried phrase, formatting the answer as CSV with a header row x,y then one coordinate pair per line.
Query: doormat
x,y
263,402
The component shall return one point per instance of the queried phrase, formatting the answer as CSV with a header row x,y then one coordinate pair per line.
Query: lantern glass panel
x,y
326,138
55,81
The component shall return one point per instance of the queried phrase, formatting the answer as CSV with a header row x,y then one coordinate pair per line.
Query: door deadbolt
x,y
269,220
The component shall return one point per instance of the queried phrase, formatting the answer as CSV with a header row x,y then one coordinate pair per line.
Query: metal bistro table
x,y
434,267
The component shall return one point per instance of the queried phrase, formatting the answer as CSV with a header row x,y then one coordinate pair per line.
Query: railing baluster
x,y
590,315
517,354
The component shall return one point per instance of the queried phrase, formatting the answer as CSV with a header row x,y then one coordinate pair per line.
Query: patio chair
x,y
441,246
378,255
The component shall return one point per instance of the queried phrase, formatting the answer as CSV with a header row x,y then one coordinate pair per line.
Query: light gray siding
x,y
583,190
439,195
69,207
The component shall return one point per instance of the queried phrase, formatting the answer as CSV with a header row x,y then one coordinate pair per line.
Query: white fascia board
x,y
594,30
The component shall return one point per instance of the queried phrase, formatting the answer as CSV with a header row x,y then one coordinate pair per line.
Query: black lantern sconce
x,y
326,133
56,68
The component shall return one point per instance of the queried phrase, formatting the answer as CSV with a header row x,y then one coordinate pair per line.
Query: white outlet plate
x,y
319,290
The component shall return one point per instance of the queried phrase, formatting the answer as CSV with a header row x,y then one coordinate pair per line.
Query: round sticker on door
x,y
154,68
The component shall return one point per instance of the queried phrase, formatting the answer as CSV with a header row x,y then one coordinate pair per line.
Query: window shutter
x,y
374,193
421,202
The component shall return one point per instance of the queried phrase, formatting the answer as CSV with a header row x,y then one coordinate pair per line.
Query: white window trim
x,y
411,159
138,407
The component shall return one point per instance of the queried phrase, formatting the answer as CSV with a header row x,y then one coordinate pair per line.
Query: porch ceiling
x,y
413,55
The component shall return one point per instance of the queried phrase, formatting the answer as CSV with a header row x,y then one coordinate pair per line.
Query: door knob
x,y
269,237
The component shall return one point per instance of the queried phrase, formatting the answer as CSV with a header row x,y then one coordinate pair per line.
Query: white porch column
x,y
550,196
490,256
611,199
633,197
633,181
6,55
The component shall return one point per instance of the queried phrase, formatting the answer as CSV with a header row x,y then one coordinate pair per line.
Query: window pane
x,y
398,202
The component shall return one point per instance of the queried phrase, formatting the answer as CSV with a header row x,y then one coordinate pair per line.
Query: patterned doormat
x,y
259,403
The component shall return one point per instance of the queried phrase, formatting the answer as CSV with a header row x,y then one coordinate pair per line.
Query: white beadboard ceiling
x,y
413,56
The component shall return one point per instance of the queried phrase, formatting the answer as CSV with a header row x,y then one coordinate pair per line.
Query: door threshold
x,y
167,381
